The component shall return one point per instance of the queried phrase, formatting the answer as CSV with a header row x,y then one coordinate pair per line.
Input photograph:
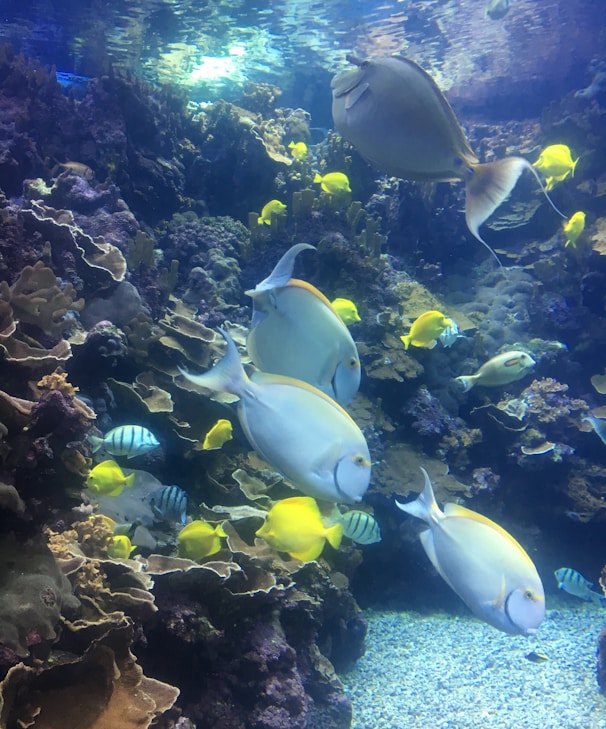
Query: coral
x,y
33,597
104,687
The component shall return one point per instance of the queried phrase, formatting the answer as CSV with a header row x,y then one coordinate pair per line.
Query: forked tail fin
x,y
488,185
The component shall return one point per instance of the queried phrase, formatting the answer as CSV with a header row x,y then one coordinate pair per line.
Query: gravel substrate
x,y
449,672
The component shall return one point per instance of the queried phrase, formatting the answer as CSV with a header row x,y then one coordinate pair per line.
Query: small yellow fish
x,y
120,547
295,526
573,228
298,150
199,539
107,479
334,183
347,310
556,163
219,434
273,206
426,329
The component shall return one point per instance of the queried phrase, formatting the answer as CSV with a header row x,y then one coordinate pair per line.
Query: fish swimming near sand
x,y
500,370
297,429
397,118
295,526
126,440
296,332
575,584
482,563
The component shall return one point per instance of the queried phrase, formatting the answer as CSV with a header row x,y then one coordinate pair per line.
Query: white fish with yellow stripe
x,y
296,332
482,563
297,429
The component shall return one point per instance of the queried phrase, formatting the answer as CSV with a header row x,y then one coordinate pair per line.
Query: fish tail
x,y
219,531
598,599
425,506
406,338
282,272
129,480
466,382
317,178
334,535
227,375
96,442
574,164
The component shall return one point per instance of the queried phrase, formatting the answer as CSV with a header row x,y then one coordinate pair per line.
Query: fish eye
x,y
360,461
352,363
529,594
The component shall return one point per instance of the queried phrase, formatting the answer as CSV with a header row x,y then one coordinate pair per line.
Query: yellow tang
x,y
296,332
573,228
426,329
120,547
334,183
272,207
295,526
108,479
199,539
395,115
482,563
297,429
219,434
347,310
556,163
298,150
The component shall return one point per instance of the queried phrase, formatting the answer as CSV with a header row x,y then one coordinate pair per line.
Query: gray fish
x,y
395,115
361,527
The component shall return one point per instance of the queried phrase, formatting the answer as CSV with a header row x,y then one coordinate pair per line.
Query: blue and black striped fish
x,y
575,584
360,527
169,504
126,440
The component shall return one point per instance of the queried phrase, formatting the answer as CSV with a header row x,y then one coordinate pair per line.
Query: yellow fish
x,y
556,163
334,183
482,563
295,526
107,479
500,370
347,310
426,329
573,228
273,206
199,539
120,547
219,434
298,150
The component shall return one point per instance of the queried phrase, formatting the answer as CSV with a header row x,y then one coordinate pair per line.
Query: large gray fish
x,y
297,332
482,563
395,115
296,428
